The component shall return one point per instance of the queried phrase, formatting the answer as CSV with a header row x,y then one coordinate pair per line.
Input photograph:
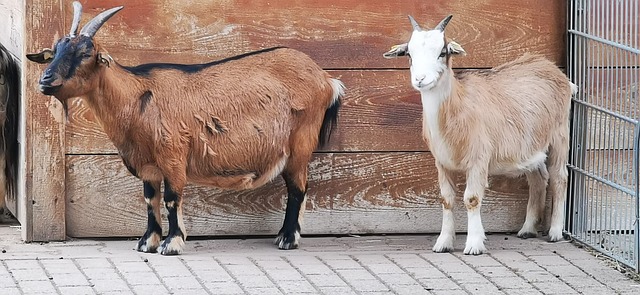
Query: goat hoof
x,y
287,241
555,235
172,246
527,235
149,243
444,244
475,246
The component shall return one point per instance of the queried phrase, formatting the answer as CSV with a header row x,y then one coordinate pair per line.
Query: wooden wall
x,y
376,176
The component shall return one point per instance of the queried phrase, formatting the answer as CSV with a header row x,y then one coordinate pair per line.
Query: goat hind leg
x,y
447,194
289,235
537,180
174,243
558,174
150,241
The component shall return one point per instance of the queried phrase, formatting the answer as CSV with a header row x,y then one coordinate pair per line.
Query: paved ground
x,y
348,265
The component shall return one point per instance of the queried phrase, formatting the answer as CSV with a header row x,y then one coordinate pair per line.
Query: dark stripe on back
x,y
146,69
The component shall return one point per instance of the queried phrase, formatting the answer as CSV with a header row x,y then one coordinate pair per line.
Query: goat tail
x,y
574,88
330,120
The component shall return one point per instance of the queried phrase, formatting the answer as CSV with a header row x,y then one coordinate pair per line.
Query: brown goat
x,y
236,123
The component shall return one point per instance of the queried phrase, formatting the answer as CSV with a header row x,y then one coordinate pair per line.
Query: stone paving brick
x,y
439,284
271,264
6,280
214,276
371,259
495,271
468,278
429,272
259,281
76,290
481,289
87,263
387,268
415,289
170,268
128,267
450,292
296,287
181,283
522,292
338,290
397,279
596,291
479,260
60,266
314,269
342,263
285,274
142,278
101,274
224,288
538,276
154,289
550,260
109,285
554,288
37,287
243,270
67,280
29,274
9,290
512,282
324,280
264,291
454,267
355,274
367,285
565,270
408,260
22,264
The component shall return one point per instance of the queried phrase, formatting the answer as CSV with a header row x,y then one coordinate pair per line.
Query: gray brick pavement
x,y
355,265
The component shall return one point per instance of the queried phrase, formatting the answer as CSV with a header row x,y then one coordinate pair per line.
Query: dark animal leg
x,y
289,235
150,241
174,243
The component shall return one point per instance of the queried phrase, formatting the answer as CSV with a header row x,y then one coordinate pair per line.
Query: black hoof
x,y
287,241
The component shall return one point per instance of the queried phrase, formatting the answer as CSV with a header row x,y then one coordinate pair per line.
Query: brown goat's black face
x,y
71,63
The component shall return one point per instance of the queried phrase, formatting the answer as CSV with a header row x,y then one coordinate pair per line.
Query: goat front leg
x,y
447,194
150,241
473,194
174,243
289,235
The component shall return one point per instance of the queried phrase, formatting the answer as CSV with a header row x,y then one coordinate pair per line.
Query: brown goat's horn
x,y
415,24
93,25
77,13
444,23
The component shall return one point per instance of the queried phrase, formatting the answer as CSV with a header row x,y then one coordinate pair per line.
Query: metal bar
x,y
601,109
605,41
600,179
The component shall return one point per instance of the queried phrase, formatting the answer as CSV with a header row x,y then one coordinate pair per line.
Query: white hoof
x,y
444,244
174,246
555,235
475,245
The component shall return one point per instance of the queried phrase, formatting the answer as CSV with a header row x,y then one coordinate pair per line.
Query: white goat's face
x,y
427,58
428,54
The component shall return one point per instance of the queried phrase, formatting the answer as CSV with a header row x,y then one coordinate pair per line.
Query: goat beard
x,y
65,108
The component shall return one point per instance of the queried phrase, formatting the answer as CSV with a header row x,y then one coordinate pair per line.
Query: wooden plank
x,y
381,112
12,26
348,193
337,34
45,162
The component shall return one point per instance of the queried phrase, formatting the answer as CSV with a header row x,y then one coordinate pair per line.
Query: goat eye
x,y
443,53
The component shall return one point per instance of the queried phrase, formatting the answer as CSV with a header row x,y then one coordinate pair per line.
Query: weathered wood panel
x,y
337,34
45,159
12,26
380,113
348,193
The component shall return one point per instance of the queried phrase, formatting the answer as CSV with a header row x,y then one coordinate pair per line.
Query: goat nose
x,y
47,76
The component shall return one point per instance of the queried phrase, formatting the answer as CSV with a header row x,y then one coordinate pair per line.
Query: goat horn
x,y
415,24
77,14
93,25
444,23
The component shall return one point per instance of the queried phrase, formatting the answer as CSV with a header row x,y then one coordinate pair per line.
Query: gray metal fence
x,y
603,60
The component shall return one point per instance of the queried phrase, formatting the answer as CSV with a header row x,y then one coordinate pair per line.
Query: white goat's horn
x,y
93,25
444,23
77,13
415,24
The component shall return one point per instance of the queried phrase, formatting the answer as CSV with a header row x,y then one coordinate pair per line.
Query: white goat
x,y
503,121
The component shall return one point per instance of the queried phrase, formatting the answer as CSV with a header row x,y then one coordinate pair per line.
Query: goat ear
x,y
455,48
46,56
396,50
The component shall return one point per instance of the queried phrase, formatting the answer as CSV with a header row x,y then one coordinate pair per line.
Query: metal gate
x,y
603,50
